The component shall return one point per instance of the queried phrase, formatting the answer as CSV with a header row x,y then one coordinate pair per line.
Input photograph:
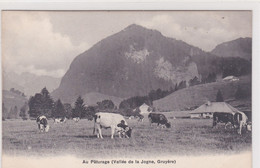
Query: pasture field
x,y
185,137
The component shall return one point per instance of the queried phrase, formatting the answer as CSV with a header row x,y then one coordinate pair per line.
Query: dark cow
x,y
114,121
42,123
160,119
140,117
237,120
227,118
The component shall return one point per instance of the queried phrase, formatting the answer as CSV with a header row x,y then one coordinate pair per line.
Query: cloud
x,y
204,29
45,43
31,45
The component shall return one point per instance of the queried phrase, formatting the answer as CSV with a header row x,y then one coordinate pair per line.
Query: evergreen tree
x,y
124,104
176,87
106,105
219,97
41,104
68,110
16,112
46,103
58,110
152,95
194,81
10,113
24,111
89,112
79,108
35,105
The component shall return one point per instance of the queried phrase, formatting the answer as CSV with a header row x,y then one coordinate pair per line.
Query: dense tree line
x,y
43,104
212,77
134,102
235,67
194,81
225,66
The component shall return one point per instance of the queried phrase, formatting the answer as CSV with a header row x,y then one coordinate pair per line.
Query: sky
x,y
46,42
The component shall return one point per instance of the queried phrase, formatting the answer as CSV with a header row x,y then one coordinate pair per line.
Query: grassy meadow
x,y
185,137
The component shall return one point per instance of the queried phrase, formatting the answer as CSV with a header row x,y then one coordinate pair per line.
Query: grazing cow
x,y
240,120
160,119
60,120
140,117
111,120
42,123
76,119
237,120
221,117
249,126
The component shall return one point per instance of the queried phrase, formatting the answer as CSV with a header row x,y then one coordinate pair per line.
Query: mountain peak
x,y
241,47
135,26
140,30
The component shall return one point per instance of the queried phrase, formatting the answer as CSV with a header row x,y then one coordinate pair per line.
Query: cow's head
x,y
128,132
47,128
168,125
249,126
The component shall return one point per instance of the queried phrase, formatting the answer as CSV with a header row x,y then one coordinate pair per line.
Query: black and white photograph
x,y
115,88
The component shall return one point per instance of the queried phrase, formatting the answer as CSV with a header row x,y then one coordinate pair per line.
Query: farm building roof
x,y
144,108
215,107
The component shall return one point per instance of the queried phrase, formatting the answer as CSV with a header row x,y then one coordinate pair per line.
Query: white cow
x,y
241,120
114,121
76,119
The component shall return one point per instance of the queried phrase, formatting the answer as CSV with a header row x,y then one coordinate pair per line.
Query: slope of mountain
x,y
241,47
129,63
29,83
12,100
137,60
199,94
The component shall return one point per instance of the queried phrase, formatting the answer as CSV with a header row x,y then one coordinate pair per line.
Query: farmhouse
x,y
206,110
144,108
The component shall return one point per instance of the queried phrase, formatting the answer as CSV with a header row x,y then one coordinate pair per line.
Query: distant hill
x,y
137,60
197,95
29,83
12,100
241,47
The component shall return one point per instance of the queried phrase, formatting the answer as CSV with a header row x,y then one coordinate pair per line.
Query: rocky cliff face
x,y
130,63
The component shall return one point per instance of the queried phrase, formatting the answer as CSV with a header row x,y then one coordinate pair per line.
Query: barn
x,y
206,110
144,108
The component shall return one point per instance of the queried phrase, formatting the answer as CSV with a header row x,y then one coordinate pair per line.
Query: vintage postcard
x,y
157,88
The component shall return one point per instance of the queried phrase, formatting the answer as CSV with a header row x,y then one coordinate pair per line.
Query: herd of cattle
x,y
118,124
